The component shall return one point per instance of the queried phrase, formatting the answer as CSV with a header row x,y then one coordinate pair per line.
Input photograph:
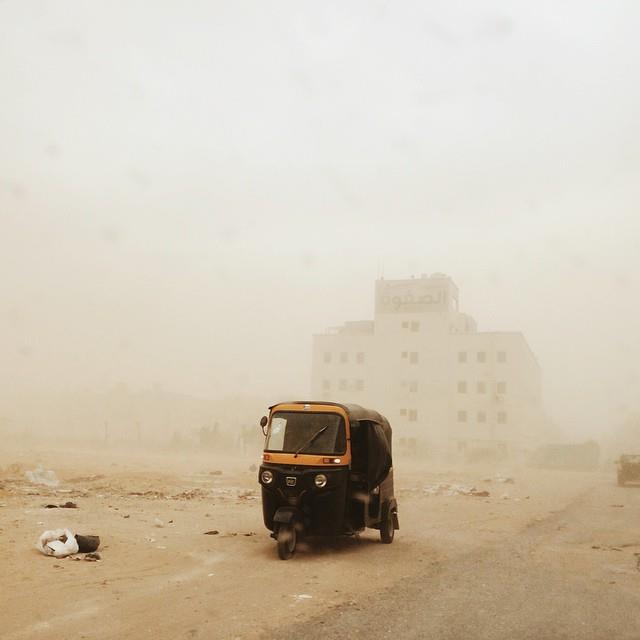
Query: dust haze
x,y
190,192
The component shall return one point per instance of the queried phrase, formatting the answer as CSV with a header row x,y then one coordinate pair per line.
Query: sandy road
x,y
519,563
574,574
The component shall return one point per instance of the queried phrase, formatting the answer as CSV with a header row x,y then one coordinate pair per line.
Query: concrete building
x,y
445,387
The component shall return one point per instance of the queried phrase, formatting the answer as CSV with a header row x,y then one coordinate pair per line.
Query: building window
x,y
502,387
415,327
326,385
462,356
413,386
462,416
327,357
502,417
360,357
359,385
413,415
481,387
403,412
413,357
342,385
462,387
481,356
482,416
502,356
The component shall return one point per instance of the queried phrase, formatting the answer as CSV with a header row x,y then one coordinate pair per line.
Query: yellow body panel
x,y
306,459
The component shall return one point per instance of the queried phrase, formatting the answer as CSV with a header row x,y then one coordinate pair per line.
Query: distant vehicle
x,y
570,457
326,470
628,468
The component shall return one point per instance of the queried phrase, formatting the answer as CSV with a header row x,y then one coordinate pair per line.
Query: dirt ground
x,y
455,562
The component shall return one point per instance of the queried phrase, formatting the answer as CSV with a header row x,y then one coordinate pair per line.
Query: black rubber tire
x,y
287,540
387,529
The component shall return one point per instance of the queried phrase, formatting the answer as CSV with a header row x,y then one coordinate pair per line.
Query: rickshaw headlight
x,y
320,480
267,476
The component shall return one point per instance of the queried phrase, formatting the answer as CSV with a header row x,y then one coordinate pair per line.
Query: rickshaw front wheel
x,y
287,539
387,528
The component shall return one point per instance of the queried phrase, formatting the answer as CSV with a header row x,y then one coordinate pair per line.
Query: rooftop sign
x,y
411,296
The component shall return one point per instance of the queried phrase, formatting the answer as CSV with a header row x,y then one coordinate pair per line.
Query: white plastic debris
x,y
302,596
446,489
158,523
58,543
42,476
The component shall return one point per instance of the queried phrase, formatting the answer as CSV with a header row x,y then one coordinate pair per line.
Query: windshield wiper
x,y
308,442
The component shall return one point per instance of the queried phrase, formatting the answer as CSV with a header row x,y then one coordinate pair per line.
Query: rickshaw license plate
x,y
291,481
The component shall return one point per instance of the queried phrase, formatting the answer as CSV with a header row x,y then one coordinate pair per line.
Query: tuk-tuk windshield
x,y
294,431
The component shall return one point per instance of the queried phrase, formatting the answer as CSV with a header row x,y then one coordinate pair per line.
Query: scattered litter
x,y
210,574
445,489
93,557
503,479
127,516
160,547
251,533
59,543
190,494
66,505
302,596
42,476
147,494
79,479
213,532
158,523
151,540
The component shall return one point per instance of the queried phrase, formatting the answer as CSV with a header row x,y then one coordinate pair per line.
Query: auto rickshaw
x,y
326,471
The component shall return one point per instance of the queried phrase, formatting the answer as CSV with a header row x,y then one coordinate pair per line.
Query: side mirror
x,y
263,423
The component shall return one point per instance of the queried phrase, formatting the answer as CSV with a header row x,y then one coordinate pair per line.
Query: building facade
x,y
445,387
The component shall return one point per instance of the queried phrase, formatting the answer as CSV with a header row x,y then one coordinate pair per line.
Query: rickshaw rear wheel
x,y
287,539
387,527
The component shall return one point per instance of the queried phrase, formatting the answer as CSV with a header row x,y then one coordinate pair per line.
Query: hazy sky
x,y
189,190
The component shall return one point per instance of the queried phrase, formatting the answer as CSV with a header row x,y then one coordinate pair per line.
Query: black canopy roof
x,y
354,411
